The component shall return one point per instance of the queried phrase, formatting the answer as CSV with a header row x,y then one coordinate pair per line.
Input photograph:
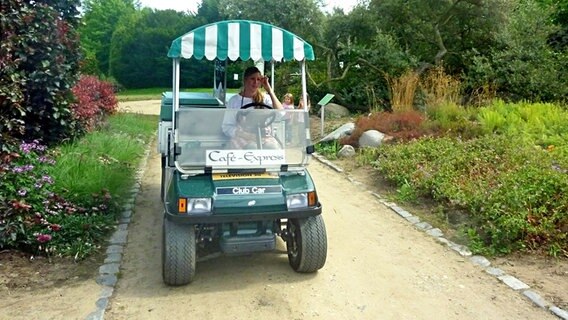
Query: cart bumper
x,y
236,217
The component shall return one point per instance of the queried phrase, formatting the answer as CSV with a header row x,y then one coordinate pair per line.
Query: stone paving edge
x,y
109,270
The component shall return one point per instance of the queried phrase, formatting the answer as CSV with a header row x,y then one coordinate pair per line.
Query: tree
x,y
302,17
441,30
559,38
140,45
208,12
100,20
469,38
521,64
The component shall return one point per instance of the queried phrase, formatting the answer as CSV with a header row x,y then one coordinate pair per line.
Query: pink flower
x,y
43,238
55,227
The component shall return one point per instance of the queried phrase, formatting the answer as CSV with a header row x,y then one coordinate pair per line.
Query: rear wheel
x,y
306,244
178,253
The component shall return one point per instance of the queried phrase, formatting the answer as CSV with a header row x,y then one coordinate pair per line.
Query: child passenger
x,y
288,103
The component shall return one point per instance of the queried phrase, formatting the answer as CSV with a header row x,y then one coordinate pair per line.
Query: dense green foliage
x,y
511,179
35,83
515,48
520,64
100,20
130,45
64,201
149,66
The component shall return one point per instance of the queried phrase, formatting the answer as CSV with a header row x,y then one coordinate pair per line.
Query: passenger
x,y
301,103
288,103
253,80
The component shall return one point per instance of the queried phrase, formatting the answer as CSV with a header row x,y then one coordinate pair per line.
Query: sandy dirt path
x,y
378,267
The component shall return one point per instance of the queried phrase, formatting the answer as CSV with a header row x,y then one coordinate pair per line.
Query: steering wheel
x,y
255,120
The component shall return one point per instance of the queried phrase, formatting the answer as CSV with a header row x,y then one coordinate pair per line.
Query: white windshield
x,y
241,138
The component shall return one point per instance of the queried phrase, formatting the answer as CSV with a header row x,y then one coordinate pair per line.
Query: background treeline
x,y
516,50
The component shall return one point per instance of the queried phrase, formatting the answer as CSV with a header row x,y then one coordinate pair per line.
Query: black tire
x,y
178,253
306,244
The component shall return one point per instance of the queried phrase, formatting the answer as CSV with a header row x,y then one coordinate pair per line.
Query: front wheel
x,y
178,253
306,244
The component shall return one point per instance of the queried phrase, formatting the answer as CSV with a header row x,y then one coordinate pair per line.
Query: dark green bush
x,y
513,191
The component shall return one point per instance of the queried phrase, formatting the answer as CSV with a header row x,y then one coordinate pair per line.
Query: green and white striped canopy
x,y
241,39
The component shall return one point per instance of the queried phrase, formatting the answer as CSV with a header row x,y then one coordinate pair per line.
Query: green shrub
x,y
514,192
328,149
448,118
543,124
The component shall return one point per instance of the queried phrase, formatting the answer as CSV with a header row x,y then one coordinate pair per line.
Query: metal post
x,y
225,82
322,115
304,86
175,88
272,74
175,96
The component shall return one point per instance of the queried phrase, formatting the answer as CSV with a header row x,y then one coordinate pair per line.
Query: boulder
x,y
333,110
346,151
340,132
371,138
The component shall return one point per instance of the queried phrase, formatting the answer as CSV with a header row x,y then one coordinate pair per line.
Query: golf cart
x,y
220,199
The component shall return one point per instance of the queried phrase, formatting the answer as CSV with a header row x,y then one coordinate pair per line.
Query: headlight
x,y
298,200
301,200
194,205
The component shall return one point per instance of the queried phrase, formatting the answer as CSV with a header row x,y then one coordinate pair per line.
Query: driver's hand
x,y
266,83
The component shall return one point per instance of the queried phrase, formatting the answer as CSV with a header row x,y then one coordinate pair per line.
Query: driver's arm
x,y
276,104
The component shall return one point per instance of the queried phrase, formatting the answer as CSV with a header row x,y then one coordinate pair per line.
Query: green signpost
x,y
325,100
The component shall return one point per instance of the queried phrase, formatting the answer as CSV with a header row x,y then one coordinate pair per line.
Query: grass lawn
x,y
155,93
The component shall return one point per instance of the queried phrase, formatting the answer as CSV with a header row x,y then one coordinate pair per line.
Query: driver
x,y
253,80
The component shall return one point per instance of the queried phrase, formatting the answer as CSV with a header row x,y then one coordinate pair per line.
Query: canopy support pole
x,y
272,73
175,95
225,82
305,95
304,85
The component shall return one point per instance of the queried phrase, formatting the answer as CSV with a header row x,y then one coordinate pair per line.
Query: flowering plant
x,y
35,219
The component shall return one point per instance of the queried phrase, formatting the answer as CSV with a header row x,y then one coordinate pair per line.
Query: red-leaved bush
x,y
403,126
95,99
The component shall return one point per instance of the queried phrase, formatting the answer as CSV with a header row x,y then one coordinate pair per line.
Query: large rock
x,y
340,132
371,138
346,151
333,110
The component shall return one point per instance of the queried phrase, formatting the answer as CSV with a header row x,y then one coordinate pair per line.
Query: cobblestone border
x,y
109,270
509,280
